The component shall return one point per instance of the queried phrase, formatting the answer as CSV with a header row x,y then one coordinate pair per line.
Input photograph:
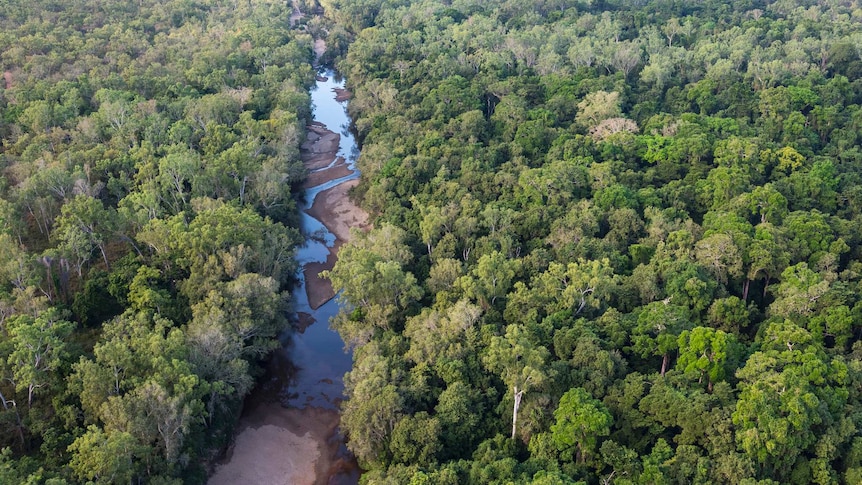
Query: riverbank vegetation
x,y
615,242
147,228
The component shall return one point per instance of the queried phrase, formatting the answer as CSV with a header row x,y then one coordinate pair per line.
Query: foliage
x,y
635,225
149,149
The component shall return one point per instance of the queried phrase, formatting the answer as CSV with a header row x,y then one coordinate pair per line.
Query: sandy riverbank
x,y
283,446
318,288
320,147
332,207
339,214
337,170
342,95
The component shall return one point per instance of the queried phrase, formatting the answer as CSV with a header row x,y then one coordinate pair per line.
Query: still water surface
x,y
318,353
307,371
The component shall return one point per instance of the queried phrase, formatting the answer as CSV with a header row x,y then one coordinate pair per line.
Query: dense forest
x,y
147,228
616,242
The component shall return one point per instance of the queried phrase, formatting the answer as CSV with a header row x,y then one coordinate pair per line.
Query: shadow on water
x,y
318,352
306,373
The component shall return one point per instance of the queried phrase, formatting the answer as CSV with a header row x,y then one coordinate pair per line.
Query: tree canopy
x,y
651,209
614,242
149,155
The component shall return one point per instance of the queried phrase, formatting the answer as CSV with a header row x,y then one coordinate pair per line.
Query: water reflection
x,y
305,375
317,354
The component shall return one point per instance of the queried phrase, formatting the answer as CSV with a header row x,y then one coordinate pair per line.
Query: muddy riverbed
x,y
288,433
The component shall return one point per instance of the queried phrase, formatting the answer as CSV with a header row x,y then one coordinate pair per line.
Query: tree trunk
x,y
52,290
132,243
242,190
518,395
745,289
105,257
20,424
31,389
664,362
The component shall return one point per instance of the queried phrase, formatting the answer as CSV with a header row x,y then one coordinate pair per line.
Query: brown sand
x,y
320,147
319,289
334,209
337,212
319,177
282,446
342,95
319,48
270,455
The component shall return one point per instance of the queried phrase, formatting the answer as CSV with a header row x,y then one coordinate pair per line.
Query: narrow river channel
x,y
288,433
318,352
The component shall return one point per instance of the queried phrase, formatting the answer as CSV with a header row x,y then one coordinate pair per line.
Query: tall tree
x,y
659,326
38,349
580,421
522,365
790,392
705,352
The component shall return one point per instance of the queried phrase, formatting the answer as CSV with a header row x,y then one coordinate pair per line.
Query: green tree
x,y
721,256
416,439
580,421
659,326
768,203
491,278
522,365
374,408
705,352
799,292
433,225
789,393
577,287
766,255
598,106
84,225
105,457
38,349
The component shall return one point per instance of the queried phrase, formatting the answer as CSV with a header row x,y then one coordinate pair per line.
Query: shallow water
x,y
318,353
307,371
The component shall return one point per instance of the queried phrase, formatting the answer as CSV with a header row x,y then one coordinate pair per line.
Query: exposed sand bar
x,y
318,288
275,444
282,446
332,207
338,169
337,212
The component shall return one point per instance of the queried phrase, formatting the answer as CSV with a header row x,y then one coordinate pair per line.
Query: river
x,y
288,432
